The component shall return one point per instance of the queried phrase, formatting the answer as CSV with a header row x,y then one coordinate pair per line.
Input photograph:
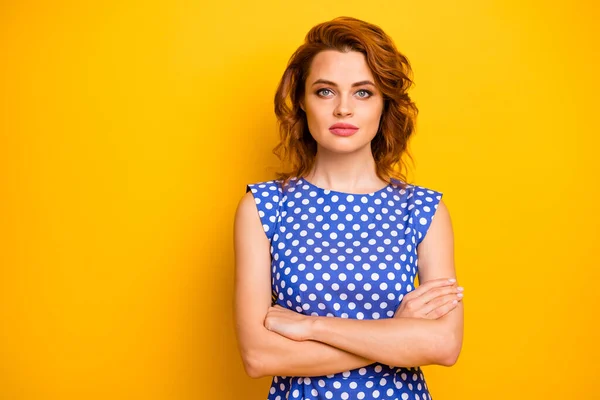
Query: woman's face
x,y
340,89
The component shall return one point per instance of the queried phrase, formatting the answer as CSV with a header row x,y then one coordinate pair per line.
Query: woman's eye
x,y
361,93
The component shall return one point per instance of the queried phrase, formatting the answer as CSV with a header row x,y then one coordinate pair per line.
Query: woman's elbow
x,y
451,351
450,359
254,351
253,365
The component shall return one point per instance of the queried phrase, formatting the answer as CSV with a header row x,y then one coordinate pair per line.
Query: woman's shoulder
x,y
272,184
279,185
414,189
267,197
269,192
421,202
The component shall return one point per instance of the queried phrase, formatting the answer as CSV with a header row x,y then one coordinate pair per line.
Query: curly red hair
x,y
392,73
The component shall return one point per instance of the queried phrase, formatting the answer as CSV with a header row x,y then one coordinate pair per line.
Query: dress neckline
x,y
301,181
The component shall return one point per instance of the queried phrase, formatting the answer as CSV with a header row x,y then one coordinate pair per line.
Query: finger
x,y
440,301
444,309
434,283
435,293
420,306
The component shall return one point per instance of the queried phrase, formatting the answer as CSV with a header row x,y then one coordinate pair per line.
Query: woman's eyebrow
x,y
325,81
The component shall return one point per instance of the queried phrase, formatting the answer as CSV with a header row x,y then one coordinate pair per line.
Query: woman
x,y
327,254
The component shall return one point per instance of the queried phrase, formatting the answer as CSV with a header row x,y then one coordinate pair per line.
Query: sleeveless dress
x,y
348,256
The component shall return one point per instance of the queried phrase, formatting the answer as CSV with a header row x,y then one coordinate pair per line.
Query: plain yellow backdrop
x,y
128,130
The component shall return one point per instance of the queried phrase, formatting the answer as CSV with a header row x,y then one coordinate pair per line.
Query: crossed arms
x,y
426,329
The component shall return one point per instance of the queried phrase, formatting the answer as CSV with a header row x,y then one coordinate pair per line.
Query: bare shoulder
x,y
436,251
248,227
246,208
441,225
442,220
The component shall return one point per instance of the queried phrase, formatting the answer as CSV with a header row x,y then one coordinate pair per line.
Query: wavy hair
x,y
392,72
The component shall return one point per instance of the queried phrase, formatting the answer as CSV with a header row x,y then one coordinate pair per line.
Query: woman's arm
x,y
395,341
264,352
436,260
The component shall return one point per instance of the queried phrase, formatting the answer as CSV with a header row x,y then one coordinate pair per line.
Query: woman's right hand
x,y
431,300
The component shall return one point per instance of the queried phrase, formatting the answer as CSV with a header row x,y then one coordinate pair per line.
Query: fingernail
x,y
460,295
460,288
452,280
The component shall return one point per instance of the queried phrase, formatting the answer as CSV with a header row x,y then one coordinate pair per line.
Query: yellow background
x,y
128,130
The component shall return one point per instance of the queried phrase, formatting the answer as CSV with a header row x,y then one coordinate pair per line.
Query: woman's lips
x,y
343,131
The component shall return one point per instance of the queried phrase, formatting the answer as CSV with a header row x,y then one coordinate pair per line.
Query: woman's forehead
x,y
344,69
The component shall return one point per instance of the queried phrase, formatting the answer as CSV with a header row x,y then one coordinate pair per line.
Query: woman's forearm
x,y
278,355
402,342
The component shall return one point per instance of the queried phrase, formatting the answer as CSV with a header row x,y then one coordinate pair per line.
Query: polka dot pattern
x,y
347,256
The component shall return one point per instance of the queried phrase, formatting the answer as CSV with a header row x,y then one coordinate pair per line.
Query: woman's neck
x,y
351,172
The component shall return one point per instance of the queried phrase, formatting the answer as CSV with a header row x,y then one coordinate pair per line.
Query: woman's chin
x,y
348,147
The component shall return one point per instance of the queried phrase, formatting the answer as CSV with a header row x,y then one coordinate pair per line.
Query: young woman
x,y
327,253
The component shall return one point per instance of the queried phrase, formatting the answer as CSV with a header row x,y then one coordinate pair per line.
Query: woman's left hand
x,y
288,323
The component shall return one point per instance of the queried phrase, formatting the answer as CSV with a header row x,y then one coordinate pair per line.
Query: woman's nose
x,y
343,109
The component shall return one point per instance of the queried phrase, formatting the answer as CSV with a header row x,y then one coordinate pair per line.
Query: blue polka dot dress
x,y
348,256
